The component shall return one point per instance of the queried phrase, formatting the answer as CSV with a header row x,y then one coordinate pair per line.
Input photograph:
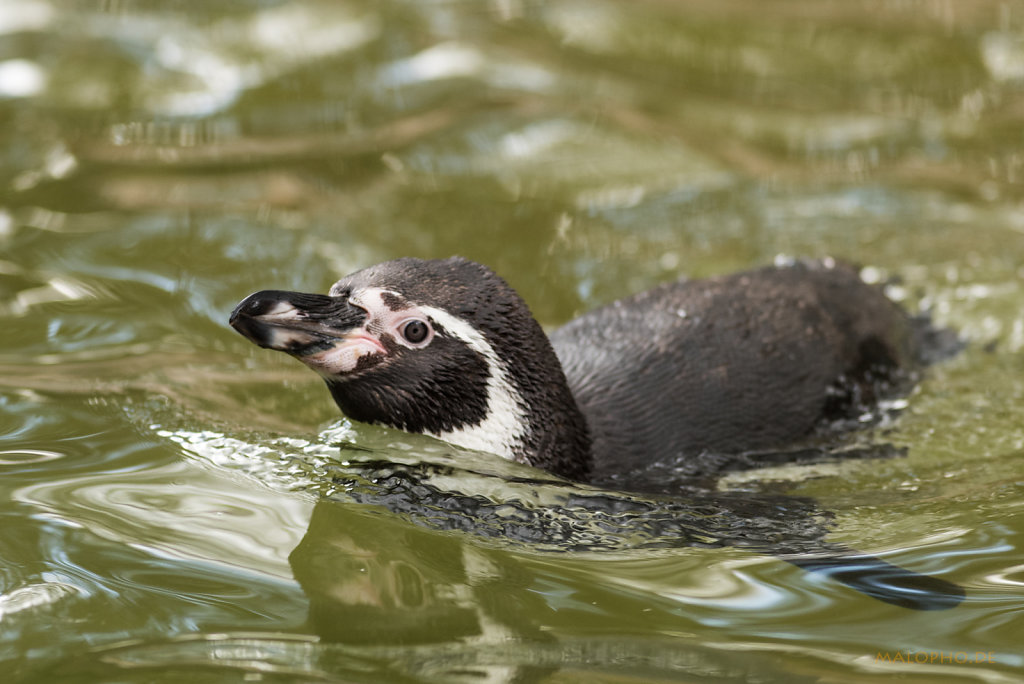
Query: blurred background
x,y
165,492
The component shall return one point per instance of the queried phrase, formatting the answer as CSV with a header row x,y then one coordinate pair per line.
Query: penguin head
x,y
441,347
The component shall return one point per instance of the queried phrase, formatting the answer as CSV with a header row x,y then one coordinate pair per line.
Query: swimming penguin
x,y
743,362
739,363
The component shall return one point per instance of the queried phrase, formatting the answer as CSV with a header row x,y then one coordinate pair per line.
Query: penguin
x,y
744,362
740,363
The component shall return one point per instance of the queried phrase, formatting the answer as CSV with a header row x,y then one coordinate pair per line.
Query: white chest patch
x,y
501,432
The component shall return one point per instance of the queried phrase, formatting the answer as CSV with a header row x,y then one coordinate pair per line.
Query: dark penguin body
x,y
743,362
740,363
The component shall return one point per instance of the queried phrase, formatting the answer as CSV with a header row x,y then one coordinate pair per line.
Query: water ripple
x,y
535,514
24,456
35,596
201,516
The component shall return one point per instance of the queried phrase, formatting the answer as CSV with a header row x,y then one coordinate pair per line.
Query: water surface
x,y
178,503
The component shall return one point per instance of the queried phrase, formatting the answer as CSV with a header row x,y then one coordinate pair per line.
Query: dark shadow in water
x,y
590,519
454,612
886,582
402,602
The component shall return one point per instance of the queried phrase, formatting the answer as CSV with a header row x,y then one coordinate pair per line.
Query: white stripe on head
x,y
502,430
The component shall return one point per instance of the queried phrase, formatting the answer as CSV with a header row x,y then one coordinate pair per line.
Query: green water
x,y
176,503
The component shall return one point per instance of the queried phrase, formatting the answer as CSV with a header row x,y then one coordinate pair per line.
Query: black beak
x,y
295,322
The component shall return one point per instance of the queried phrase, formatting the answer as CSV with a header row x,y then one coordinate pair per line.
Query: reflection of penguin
x,y
364,592
379,582
752,361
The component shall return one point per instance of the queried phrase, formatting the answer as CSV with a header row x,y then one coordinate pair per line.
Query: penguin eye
x,y
415,331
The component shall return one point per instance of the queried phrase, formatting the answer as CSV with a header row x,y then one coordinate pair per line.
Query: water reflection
x,y
414,585
21,456
377,583
544,514
34,597
403,593
249,531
